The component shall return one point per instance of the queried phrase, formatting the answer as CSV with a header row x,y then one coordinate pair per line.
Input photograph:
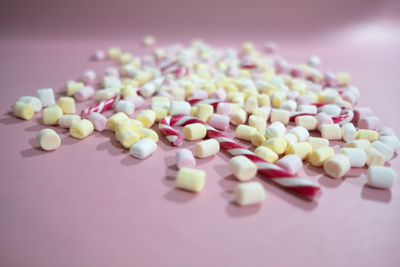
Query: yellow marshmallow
x,y
128,91
51,114
317,142
155,99
126,124
290,138
301,149
261,112
143,77
114,52
73,87
191,179
111,121
23,110
127,138
245,132
360,143
266,154
308,122
369,135
344,78
204,112
258,138
147,117
251,104
193,111
257,122
264,100
161,113
278,98
67,104
81,129
194,131
278,144
318,156
125,58
147,133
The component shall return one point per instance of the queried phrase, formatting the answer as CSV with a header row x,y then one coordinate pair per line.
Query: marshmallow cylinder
x,y
138,101
46,96
370,122
104,94
179,108
384,131
143,148
361,143
323,118
331,109
301,149
331,131
337,166
33,101
191,179
111,121
290,138
280,115
386,150
242,168
51,114
374,157
184,159
23,110
257,122
391,140
278,145
318,156
349,132
308,122
362,112
238,116
127,124
204,112
275,129
266,154
84,93
147,133
245,132
67,104
307,109
317,142
127,138
219,122
291,163
206,148
249,193
258,138
126,107
67,120
48,139
357,156
369,135
194,131
81,129
224,109
148,89
301,133
98,120
381,177
147,117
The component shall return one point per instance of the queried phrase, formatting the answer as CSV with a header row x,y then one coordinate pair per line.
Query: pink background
x,y
90,204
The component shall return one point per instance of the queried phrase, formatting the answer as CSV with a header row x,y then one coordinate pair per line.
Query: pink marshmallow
x,y
297,72
138,101
313,87
219,95
219,122
370,122
292,95
303,100
350,97
166,94
99,55
331,80
267,111
291,163
112,71
224,109
98,120
184,158
88,77
270,47
282,66
385,131
362,112
199,94
84,93
323,118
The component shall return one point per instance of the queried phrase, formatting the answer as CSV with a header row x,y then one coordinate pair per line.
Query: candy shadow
x,y
311,171
68,140
172,168
375,194
179,196
202,161
10,119
222,169
112,146
234,210
355,173
228,183
130,161
330,182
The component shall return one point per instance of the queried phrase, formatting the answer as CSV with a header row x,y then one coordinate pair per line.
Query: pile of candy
x,y
206,89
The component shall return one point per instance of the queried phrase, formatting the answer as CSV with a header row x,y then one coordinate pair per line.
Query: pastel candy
x,y
199,94
318,156
104,94
384,131
374,157
224,109
331,109
137,101
46,96
323,118
67,104
238,116
219,122
280,115
386,150
290,139
300,132
23,110
84,93
191,179
194,131
275,129
127,124
143,148
204,112
33,101
362,112
51,114
337,166
369,122
317,142
291,163
242,168
257,122
278,144
349,132
307,109
111,121
249,193
258,138
301,149
266,154
245,132
331,131
72,87
206,148
67,120
184,158
98,120
289,105
88,77
381,177
219,95
48,139
147,133
126,107
127,138
179,108
308,122
369,135
357,156
147,117
81,129
360,143
391,140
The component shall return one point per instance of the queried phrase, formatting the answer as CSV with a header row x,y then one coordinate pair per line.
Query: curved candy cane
x,y
101,107
273,172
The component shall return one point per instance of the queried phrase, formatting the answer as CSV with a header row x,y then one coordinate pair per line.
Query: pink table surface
x,y
90,204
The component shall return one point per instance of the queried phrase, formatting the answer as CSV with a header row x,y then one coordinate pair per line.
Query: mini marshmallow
x,y
263,112
245,132
337,166
48,139
300,132
344,78
51,114
250,104
318,156
199,94
289,105
308,122
104,94
374,157
257,122
381,177
67,104
384,131
242,168
357,156
128,91
249,193
99,55
204,112
323,118
184,158
126,107
311,109
331,109
361,112
369,135
138,101
290,138
23,110
386,150
361,143
278,144
147,117
369,122
84,93
111,121
148,40
305,101
147,133
88,77
143,148
219,122
72,87
98,120
179,108
160,113
317,142
301,149
114,52
206,148
191,179
349,132
277,98
224,109
127,138
266,154
219,95
275,129
331,131
33,101
258,138
81,129
46,96
390,140
194,131
290,163
67,120
350,97
280,115
148,89
127,124
238,116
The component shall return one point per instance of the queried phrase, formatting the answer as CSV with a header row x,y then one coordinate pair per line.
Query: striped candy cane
x,y
273,172
345,116
100,107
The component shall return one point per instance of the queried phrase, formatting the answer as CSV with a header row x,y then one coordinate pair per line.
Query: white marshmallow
x,y
391,140
206,148
179,108
317,142
300,132
67,120
184,158
386,150
331,109
46,96
148,89
331,131
242,168
160,104
349,132
143,148
381,177
48,139
249,193
275,129
33,101
289,105
98,120
126,107
307,109
84,93
357,156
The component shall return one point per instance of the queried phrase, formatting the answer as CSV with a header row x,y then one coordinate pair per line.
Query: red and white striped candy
x,y
101,107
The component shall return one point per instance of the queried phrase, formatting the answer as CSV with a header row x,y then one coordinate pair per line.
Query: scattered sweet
x,y
249,193
48,139
191,179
